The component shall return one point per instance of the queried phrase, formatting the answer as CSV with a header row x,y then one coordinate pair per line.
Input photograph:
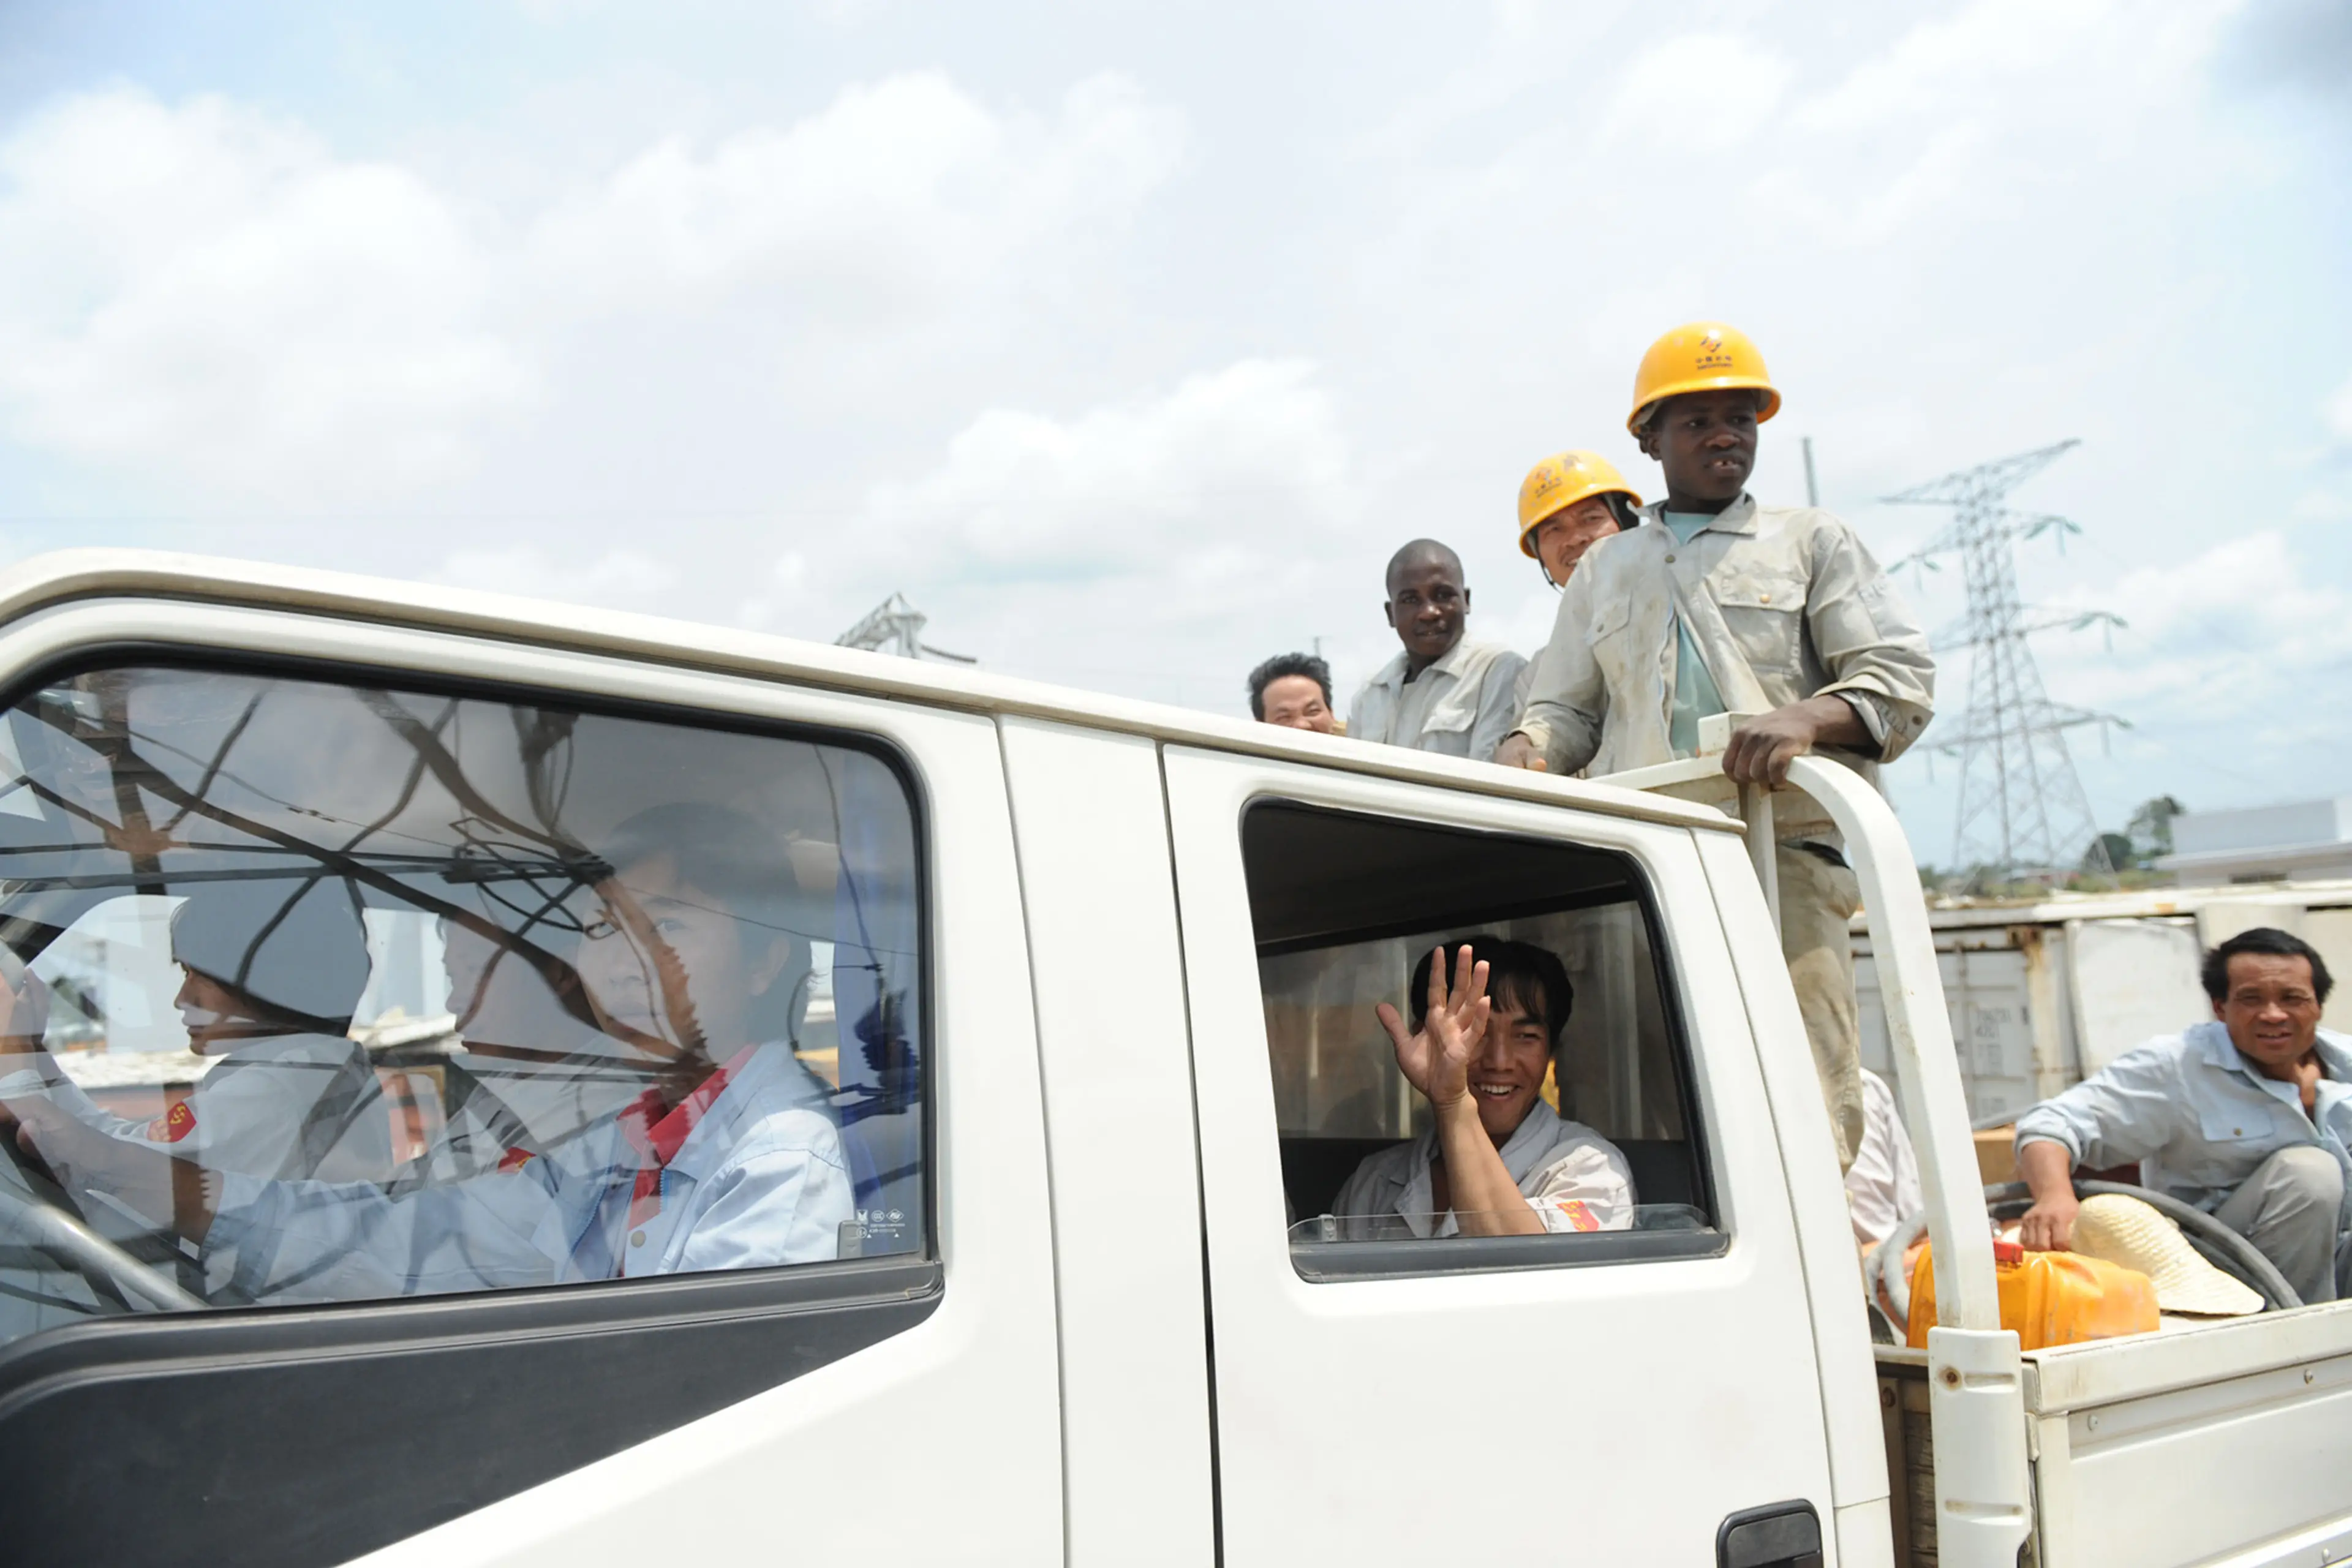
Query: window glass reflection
x,y
318,992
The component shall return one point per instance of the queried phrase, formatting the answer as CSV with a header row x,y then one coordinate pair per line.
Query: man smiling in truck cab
x,y
1498,1161
730,1160
2247,1116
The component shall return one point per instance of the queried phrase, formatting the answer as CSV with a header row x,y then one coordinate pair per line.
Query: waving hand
x,y
1436,1059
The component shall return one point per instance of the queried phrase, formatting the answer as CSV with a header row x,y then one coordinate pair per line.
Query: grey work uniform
x,y
1461,706
1781,603
2207,1127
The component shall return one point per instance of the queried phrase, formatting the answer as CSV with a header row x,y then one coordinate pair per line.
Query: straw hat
x,y
2128,1232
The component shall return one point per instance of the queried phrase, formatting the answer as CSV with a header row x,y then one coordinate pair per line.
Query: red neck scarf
x,y
658,1136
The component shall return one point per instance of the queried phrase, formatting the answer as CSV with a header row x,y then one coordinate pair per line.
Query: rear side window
x,y
1579,1081
322,993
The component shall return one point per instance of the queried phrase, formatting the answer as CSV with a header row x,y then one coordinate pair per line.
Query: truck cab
x,y
1070,1003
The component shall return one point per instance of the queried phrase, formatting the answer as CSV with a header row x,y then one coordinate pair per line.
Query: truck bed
x,y
2218,1442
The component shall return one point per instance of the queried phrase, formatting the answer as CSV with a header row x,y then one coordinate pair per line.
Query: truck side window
x,y
318,992
1581,1083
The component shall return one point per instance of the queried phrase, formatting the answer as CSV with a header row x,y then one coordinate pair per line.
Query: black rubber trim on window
x,y
1330,1262
296,1439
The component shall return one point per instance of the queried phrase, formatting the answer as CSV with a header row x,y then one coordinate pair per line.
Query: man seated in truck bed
x,y
2247,1117
1499,1160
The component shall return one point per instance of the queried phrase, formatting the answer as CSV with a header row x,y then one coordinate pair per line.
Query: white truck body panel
x,y
1118,1101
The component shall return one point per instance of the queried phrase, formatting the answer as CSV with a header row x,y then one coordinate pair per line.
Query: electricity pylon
x,y
899,625
2022,811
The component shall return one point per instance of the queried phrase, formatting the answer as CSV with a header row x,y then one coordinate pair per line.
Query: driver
x,y
726,1160
2247,1116
271,972
1498,1161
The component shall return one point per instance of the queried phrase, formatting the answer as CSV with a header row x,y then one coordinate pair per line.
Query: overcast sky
x,y
1129,339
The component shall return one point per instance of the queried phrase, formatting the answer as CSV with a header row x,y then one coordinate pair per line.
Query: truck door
x,y
1611,1393
503,1101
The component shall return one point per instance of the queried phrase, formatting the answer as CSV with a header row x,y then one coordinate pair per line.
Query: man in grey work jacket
x,y
1447,692
2247,1116
1726,606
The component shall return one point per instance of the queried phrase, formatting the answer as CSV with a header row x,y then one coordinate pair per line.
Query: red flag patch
x,y
1580,1217
173,1125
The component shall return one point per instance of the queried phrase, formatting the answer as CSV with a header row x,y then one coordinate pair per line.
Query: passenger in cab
x,y
271,970
2247,1116
1498,1161
728,1159
534,1071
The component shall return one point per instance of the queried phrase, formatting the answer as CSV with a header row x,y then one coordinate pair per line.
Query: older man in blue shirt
x,y
2248,1117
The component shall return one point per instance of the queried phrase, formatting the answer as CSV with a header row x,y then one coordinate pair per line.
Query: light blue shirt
x,y
760,1181
2195,1114
1695,696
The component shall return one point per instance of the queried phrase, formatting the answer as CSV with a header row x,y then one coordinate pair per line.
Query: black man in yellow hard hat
x,y
1726,606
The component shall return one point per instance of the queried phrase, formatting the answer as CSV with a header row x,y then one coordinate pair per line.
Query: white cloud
x,y
206,293
1703,90
613,579
1130,545
1245,459
2338,412
206,290
2206,633
1953,59
894,198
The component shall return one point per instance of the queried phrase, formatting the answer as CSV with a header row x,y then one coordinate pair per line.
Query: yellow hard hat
x,y
1701,357
1560,481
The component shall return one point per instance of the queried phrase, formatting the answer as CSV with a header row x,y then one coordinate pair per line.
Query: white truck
x,y
1101,1046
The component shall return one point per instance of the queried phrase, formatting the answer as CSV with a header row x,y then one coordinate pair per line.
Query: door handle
x,y
1777,1535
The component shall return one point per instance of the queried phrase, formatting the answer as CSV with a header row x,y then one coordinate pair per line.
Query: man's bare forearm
x,y
2048,1169
1486,1202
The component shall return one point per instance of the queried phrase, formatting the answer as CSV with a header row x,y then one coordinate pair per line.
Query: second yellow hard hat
x,y
1703,356
1558,482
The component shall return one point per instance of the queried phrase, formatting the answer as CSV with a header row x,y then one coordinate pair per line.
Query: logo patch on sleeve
x,y
173,1125
1579,1217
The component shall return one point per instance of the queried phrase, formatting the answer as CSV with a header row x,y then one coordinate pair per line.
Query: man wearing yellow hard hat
x,y
1568,503
1726,606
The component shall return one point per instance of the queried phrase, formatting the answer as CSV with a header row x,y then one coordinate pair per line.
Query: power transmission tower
x,y
899,625
2022,812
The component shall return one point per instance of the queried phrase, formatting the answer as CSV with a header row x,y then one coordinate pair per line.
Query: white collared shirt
x,y
294,1105
760,1181
1461,706
1881,1187
1572,1177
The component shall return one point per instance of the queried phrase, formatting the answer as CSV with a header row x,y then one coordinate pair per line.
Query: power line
x,y
2022,809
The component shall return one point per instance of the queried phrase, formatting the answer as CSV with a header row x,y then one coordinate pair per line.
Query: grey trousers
x,y
2291,1208
1817,899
